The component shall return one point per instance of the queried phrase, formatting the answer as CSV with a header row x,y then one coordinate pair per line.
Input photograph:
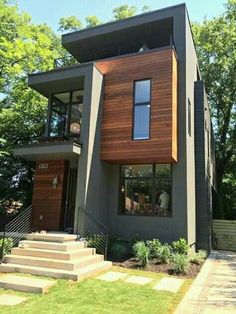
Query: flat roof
x,y
84,44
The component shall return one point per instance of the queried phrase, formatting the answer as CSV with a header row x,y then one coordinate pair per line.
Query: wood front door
x,y
70,199
49,195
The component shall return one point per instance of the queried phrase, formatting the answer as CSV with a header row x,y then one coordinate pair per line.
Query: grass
x,y
96,296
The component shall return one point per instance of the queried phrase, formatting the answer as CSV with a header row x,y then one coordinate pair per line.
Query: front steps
x,y
56,256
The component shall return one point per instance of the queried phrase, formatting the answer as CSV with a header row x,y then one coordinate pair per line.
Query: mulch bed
x,y
154,266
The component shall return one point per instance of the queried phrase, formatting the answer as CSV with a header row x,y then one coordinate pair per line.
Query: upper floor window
x,y
141,114
66,114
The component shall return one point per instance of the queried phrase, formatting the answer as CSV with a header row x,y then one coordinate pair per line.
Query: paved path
x,y
214,289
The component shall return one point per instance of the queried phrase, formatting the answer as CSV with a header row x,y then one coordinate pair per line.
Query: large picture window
x,y
66,114
141,115
145,190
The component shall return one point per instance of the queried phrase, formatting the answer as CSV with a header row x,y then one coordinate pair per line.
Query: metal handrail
x,y
15,230
94,231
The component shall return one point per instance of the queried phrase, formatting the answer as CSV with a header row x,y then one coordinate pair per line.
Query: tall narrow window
x,y
141,118
189,118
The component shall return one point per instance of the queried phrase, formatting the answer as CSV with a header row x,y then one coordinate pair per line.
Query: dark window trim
x,y
154,178
68,112
142,104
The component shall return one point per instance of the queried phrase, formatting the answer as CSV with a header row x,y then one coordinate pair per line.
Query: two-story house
x,y
128,134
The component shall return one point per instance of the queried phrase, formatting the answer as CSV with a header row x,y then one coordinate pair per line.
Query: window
x,y
145,190
141,114
66,114
189,118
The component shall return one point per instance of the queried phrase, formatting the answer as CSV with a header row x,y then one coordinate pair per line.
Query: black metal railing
x,y
95,232
63,62
14,231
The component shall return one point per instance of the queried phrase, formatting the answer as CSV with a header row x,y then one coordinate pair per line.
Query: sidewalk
x,y
214,289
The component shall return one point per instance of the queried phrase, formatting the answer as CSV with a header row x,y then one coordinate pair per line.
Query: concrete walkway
x,y
214,289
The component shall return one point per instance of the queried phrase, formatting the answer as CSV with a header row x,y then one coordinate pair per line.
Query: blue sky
x,y
50,11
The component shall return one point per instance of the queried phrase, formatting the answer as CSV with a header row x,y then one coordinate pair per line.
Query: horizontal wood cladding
x,y
48,203
119,74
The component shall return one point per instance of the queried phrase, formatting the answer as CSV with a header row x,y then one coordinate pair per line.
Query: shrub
x,y
180,263
8,244
154,247
118,249
142,252
165,253
97,242
199,257
180,246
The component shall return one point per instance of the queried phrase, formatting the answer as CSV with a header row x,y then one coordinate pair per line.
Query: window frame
x,y
153,178
141,104
68,113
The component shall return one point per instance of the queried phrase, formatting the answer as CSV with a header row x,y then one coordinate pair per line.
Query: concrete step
x,y
51,237
78,275
25,284
69,256
64,247
53,263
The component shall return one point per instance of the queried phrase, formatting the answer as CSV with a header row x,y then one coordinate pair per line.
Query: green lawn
x,y
96,296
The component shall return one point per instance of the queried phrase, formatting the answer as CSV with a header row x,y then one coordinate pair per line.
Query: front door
x,y
70,199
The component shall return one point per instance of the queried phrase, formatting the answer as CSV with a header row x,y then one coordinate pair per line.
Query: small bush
x,y
142,252
118,249
180,246
180,263
154,247
199,257
97,242
8,244
165,254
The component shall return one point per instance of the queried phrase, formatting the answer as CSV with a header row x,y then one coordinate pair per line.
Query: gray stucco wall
x,y
204,169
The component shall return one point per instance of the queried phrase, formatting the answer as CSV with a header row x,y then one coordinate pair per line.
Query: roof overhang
x,y
49,151
91,43
63,79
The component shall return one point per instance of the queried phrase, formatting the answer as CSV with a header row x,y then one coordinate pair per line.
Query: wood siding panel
x,y
47,202
120,73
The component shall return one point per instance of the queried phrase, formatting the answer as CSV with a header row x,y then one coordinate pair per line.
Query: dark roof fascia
x,y
117,25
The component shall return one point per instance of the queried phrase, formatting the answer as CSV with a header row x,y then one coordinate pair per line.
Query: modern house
x,y
128,135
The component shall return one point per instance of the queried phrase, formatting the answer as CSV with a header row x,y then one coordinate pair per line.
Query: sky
x,y
50,11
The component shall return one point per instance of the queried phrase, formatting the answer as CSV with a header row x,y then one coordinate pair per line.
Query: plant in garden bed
x,y
8,244
116,247
180,263
154,247
198,257
180,246
142,252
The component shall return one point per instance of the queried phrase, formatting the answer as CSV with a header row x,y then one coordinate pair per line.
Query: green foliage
x,y
123,11
97,242
8,244
146,8
92,21
142,252
165,254
154,247
180,263
198,257
70,23
215,41
118,249
180,246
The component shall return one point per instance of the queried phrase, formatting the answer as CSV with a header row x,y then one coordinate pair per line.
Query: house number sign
x,y
43,165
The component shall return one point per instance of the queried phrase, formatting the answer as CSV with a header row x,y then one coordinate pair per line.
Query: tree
x,y
146,8
70,23
24,48
92,21
215,42
123,11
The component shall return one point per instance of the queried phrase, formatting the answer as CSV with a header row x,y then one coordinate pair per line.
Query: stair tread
x,y
53,251
26,281
79,259
68,243
53,270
